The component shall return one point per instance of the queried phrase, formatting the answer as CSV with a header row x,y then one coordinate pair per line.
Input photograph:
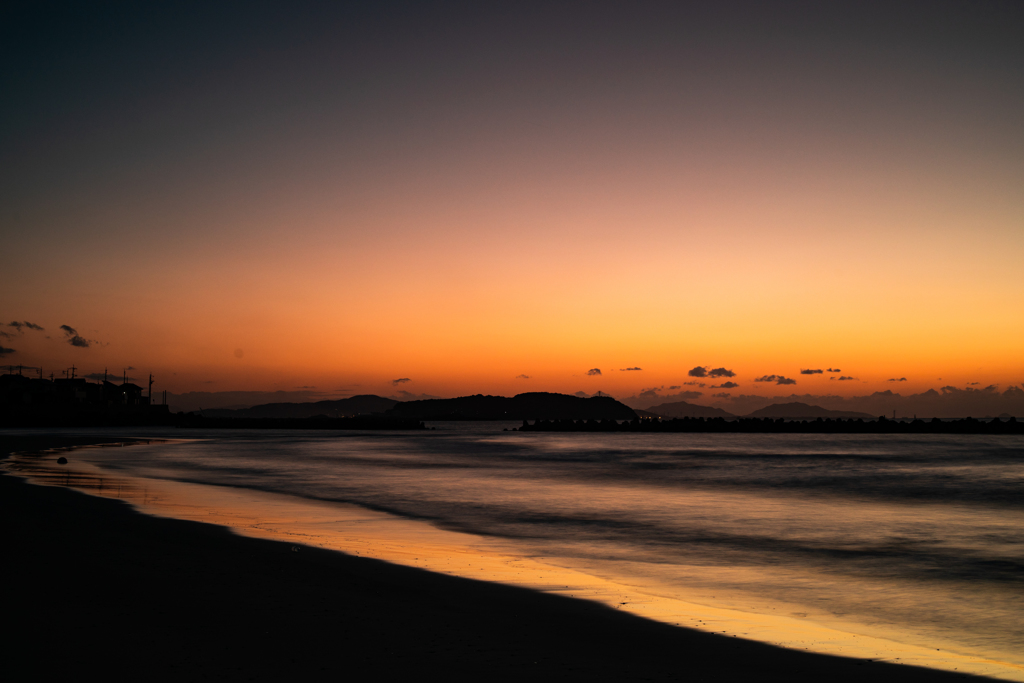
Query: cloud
x,y
72,337
408,396
6,335
522,377
812,372
723,394
721,372
26,325
990,389
973,384
594,371
694,384
833,370
5,351
630,369
898,379
844,378
305,387
698,372
400,380
674,387
725,385
98,376
778,379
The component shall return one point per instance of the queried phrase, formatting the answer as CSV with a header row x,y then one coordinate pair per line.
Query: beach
x,y
92,585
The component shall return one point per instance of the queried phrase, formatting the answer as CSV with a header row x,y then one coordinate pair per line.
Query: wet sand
x,y
92,585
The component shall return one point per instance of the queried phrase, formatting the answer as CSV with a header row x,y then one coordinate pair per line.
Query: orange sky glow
x,y
756,211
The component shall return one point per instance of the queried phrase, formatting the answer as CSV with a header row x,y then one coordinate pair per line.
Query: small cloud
x,y
6,335
522,377
778,379
408,396
721,372
812,372
836,370
72,337
5,351
695,384
305,387
698,372
674,387
725,385
844,378
630,369
723,394
400,380
25,325
109,376
594,371
971,384
898,379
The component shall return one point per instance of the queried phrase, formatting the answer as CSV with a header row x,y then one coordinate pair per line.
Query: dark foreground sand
x,y
92,587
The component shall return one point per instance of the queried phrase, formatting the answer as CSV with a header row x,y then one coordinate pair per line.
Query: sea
x,y
896,548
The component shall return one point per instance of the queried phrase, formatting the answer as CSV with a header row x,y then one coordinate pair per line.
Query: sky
x,y
460,198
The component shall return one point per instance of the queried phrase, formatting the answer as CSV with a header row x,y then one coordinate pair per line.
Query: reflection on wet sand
x,y
359,531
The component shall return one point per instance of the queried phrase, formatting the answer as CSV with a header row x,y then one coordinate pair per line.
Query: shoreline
x,y
97,570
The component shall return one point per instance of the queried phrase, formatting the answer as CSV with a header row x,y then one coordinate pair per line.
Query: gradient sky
x,y
272,196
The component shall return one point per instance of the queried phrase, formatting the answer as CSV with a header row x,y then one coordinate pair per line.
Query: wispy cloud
x,y
778,379
812,372
722,394
833,370
725,385
897,379
25,325
847,379
407,396
694,383
630,369
522,377
98,376
72,337
4,351
594,371
674,387
400,380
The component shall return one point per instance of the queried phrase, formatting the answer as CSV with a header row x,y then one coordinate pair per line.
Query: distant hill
x,y
365,404
684,409
803,411
531,406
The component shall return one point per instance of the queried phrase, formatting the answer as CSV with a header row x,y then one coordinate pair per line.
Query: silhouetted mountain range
x,y
366,404
530,406
684,409
803,411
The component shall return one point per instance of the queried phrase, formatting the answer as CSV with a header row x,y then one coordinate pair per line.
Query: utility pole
x,y
73,368
151,388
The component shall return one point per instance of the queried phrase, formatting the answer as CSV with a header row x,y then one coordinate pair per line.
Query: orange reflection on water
x,y
363,532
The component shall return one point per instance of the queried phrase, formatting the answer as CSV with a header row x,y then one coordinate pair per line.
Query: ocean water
x,y
915,539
